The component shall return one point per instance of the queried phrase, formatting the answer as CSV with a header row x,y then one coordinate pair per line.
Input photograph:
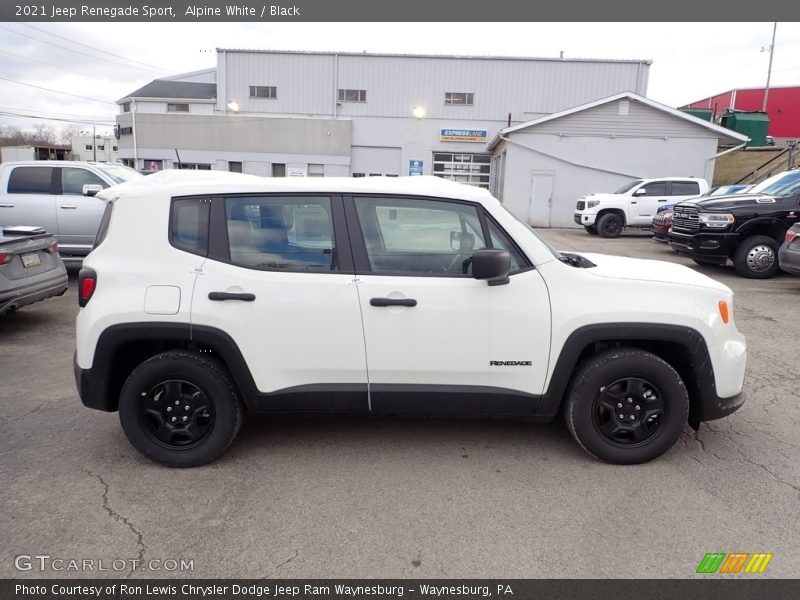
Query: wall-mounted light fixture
x,y
418,112
233,106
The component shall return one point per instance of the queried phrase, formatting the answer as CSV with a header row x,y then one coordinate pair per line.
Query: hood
x,y
601,196
639,269
721,203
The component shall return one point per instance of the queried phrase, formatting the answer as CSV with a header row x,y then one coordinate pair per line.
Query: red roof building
x,y
783,107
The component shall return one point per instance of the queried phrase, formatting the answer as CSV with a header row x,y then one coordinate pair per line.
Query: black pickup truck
x,y
746,228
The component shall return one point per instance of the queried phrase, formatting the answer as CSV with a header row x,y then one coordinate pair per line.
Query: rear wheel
x,y
590,229
757,257
610,225
180,409
626,406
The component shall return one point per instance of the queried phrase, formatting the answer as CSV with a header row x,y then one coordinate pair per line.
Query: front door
x,y
541,201
646,205
439,341
280,283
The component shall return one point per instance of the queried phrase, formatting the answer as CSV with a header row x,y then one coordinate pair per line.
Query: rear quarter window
x,y
30,180
104,222
189,225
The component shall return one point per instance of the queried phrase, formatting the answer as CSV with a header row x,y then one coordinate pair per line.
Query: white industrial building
x,y
89,146
275,113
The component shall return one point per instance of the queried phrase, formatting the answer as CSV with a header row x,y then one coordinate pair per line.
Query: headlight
x,y
592,203
716,221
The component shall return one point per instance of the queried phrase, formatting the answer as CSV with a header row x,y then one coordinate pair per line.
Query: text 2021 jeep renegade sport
x,y
209,294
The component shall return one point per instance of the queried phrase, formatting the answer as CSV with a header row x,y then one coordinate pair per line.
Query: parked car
x,y
663,219
789,252
746,228
378,295
57,195
634,204
30,267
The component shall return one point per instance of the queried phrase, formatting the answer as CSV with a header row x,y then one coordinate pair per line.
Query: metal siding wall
x,y
396,84
385,161
605,120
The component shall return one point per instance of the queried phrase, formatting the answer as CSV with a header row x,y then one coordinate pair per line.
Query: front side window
x,y
189,226
628,186
419,237
30,180
657,188
685,188
73,180
263,91
281,233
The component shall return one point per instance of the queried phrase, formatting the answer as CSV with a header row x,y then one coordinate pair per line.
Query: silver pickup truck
x,y
58,196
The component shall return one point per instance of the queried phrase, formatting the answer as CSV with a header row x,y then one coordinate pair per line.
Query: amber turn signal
x,y
723,311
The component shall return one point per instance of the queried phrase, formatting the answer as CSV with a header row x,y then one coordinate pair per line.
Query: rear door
x,y
29,199
279,282
438,340
78,215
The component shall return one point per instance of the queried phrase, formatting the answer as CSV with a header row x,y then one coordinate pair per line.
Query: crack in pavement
x,y
43,407
118,517
286,562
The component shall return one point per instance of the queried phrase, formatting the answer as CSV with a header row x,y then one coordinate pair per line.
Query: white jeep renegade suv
x,y
209,294
634,204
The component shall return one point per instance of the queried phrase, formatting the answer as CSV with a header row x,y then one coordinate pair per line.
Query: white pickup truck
x,y
634,204
58,196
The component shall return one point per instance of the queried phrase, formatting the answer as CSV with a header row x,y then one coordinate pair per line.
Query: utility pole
x,y
769,69
94,142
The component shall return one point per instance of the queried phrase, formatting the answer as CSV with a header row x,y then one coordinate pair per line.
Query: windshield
x,y
780,186
119,173
628,186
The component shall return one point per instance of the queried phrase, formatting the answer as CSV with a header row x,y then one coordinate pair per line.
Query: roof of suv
x,y
191,183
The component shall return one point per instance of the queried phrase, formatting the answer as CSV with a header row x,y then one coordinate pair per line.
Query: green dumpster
x,y
753,124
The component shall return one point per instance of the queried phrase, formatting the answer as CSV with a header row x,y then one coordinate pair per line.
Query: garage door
x,y
374,160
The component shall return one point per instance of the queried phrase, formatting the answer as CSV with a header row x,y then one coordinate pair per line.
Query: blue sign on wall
x,y
415,167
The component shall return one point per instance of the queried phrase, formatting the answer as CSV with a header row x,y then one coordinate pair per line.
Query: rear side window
x,y
685,188
73,180
189,225
281,233
30,180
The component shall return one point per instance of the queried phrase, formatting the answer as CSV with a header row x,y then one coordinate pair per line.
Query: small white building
x,y
100,148
541,167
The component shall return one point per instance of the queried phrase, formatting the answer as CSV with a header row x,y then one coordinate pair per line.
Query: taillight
x,y
5,257
87,283
53,247
790,235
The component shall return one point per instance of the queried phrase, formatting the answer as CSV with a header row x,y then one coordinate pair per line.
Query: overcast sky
x,y
690,60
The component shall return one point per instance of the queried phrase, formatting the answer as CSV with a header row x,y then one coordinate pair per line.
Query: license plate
x,y
31,260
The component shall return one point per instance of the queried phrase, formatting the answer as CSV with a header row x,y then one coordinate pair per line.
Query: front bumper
x,y
711,247
789,259
28,294
585,220
712,407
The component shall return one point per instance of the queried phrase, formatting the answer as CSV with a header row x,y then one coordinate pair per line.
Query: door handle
x,y
69,206
393,302
6,206
231,296
633,201
662,199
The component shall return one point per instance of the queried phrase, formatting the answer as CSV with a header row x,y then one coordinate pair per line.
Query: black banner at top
x,y
394,10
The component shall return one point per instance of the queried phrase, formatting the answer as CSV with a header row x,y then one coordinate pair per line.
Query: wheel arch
x,y
682,347
617,211
770,227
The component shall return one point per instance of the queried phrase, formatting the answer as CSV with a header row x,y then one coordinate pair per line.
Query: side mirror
x,y
492,265
92,189
640,192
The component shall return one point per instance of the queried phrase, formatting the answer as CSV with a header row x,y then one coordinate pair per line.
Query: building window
x,y
101,147
461,98
234,166
278,169
263,91
352,95
316,170
114,148
87,147
153,165
177,107
358,174
126,107
472,169
191,166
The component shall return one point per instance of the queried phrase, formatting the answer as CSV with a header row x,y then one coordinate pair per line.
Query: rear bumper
x,y
28,294
92,387
789,260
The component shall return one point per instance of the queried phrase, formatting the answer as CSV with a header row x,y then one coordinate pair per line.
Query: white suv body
x,y
377,295
634,204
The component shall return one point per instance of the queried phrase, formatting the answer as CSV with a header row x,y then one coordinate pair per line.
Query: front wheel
x,y
757,257
610,225
180,409
626,406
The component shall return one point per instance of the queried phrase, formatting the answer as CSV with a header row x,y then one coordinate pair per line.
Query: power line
x,y
159,69
113,62
39,87
24,116
52,113
46,63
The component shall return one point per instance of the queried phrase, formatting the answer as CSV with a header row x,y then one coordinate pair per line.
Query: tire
x,y
757,257
610,225
590,229
624,376
180,386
